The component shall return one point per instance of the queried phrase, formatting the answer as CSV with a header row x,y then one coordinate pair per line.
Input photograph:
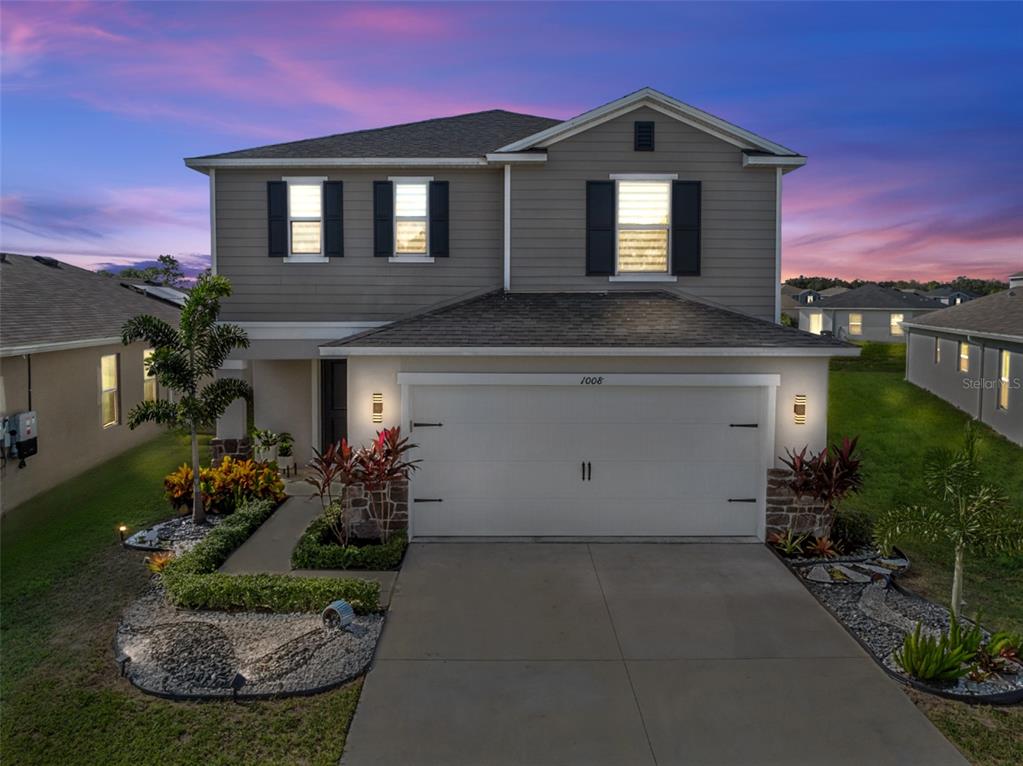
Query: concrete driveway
x,y
574,653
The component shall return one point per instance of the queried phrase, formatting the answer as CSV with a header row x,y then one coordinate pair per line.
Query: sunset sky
x,y
911,115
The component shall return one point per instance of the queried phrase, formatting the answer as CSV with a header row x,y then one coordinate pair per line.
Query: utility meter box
x,y
22,430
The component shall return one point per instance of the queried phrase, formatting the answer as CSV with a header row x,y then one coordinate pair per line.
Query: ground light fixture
x,y
799,410
378,408
121,530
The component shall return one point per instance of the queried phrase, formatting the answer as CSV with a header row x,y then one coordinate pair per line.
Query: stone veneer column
x,y
786,512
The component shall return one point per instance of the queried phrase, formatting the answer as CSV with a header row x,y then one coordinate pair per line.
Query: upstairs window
x,y
305,216
964,357
110,385
895,324
856,324
148,379
644,220
1003,380
411,216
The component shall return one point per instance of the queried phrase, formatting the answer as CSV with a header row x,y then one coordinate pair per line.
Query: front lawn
x,y
65,582
897,423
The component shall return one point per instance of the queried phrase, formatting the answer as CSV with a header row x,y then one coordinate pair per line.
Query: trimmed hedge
x,y
193,582
316,550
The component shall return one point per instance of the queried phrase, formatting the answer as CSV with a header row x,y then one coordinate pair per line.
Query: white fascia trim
x,y
643,176
213,221
235,364
503,158
343,351
42,348
339,162
760,161
577,379
692,116
304,330
643,278
968,333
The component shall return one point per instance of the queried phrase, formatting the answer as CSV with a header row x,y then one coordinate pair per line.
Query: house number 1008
x,y
591,380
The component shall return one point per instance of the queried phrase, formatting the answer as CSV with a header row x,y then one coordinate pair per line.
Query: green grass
x,y
65,583
897,424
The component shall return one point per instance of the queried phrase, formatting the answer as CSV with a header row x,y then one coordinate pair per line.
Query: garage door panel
x,y
571,441
665,461
594,404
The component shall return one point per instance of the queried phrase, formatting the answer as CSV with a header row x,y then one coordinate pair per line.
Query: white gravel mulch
x,y
196,654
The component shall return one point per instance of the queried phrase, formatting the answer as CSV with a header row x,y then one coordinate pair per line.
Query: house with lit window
x,y
66,381
869,312
575,320
971,355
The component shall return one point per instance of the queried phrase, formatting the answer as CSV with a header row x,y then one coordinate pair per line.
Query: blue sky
x,y
911,114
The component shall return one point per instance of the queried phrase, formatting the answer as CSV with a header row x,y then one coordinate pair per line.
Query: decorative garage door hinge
x,y
743,425
427,500
742,499
426,425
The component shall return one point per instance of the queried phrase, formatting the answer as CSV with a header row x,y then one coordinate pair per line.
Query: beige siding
x,y
738,227
358,286
66,398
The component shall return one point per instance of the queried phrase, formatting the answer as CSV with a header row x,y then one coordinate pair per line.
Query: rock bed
x,y
177,534
880,616
193,654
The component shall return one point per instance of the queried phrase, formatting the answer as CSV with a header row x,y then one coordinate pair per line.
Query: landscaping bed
x,y
318,549
179,534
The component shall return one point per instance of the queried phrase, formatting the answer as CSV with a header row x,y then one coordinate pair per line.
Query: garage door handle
x,y
742,499
743,425
583,466
589,471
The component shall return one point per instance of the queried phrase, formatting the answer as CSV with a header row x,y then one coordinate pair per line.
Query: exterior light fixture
x,y
378,408
120,532
799,410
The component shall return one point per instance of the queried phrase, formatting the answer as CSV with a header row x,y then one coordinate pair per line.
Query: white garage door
x,y
578,460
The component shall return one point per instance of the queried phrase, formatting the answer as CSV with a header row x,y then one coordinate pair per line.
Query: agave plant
x,y
788,542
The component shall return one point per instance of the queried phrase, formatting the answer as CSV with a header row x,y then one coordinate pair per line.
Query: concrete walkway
x,y
269,549
536,653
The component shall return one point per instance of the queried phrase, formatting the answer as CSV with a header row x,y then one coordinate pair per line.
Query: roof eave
x,y
203,164
962,331
576,351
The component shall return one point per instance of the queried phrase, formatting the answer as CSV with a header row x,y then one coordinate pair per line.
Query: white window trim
x,y
895,328
305,257
859,323
397,257
643,276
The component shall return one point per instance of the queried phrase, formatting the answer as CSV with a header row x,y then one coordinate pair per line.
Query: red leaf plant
x,y
828,477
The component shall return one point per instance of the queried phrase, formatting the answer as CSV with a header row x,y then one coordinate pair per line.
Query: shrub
x,y
226,486
852,530
157,562
788,542
193,582
1007,645
821,547
927,658
317,550
829,476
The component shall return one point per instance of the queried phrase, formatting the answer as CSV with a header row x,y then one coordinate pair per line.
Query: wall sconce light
x,y
378,408
799,410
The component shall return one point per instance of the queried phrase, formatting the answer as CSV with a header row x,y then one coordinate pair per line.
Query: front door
x,y
333,401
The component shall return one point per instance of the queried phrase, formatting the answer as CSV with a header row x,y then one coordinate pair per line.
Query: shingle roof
x,y
465,135
827,292
997,314
61,303
875,297
573,320
941,292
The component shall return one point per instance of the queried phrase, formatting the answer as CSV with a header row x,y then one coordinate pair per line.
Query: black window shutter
x,y
333,219
685,228
600,226
277,218
439,219
383,219
643,136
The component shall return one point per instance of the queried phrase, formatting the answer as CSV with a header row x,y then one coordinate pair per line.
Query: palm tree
x,y
185,357
961,509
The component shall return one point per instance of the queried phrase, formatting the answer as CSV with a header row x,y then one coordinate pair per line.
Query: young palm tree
x,y
185,357
962,509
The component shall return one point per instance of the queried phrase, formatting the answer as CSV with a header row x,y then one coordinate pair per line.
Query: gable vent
x,y
643,136
53,263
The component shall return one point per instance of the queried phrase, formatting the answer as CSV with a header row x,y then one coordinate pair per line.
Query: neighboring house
x,y
61,357
575,320
949,296
870,312
971,355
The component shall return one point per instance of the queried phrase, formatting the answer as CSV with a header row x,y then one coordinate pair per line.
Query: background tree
x,y
183,358
167,271
962,509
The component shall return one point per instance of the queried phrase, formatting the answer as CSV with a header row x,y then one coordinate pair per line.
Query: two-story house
x,y
575,320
